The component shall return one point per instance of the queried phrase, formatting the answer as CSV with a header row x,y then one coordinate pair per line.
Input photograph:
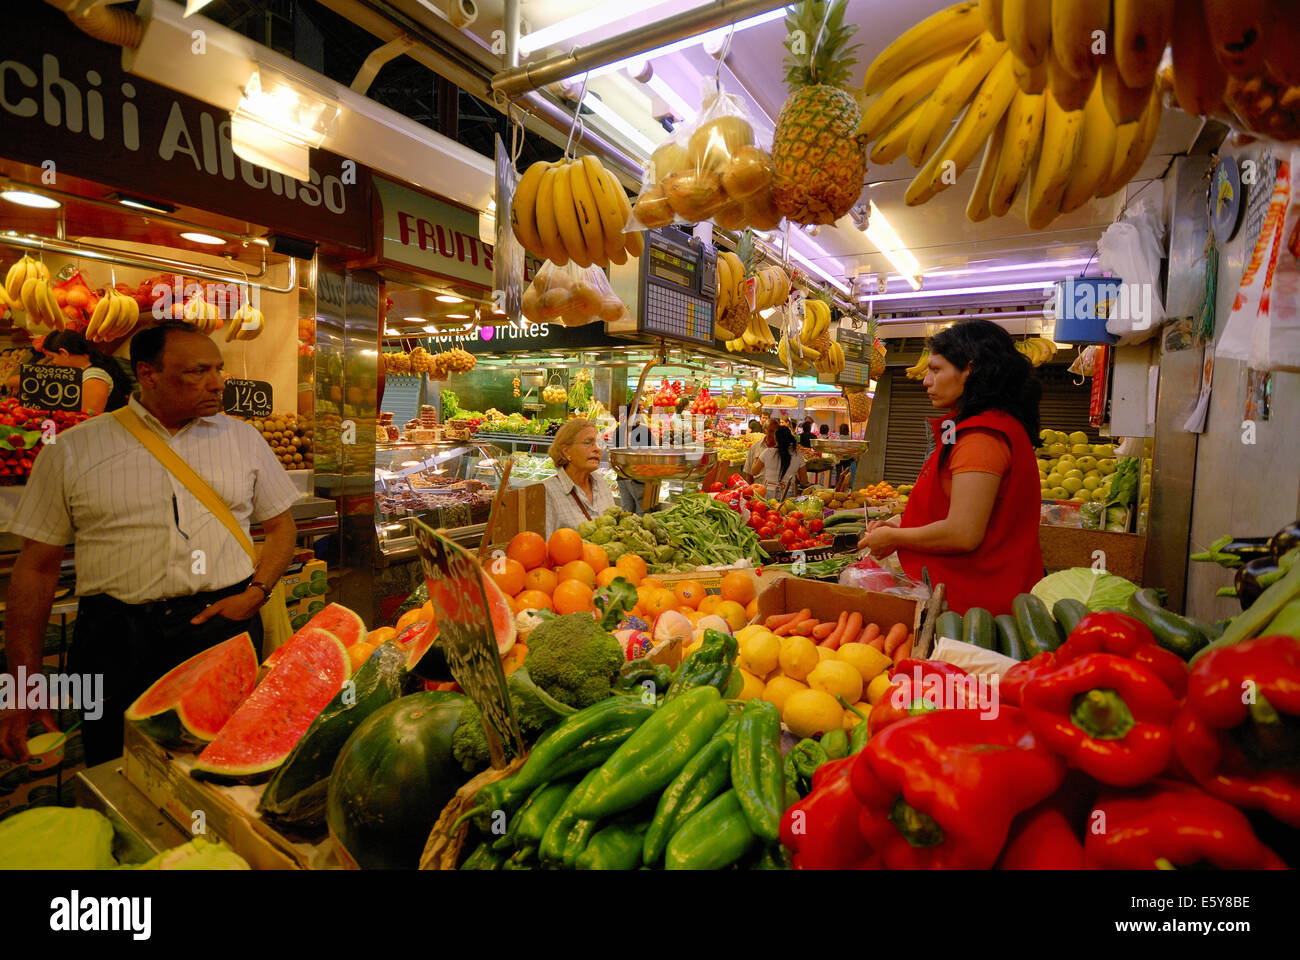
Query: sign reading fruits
x,y
46,387
247,398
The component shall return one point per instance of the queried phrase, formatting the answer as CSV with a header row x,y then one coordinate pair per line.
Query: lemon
x,y
760,653
1081,449
753,630
780,687
837,678
810,713
753,688
852,719
826,653
877,688
864,658
799,658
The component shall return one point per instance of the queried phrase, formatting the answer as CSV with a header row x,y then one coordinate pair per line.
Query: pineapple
x,y
819,162
736,317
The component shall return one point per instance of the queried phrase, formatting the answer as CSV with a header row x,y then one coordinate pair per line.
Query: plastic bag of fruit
x,y
574,295
710,169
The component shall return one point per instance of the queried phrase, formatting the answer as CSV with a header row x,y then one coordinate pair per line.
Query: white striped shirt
x,y
563,511
139,534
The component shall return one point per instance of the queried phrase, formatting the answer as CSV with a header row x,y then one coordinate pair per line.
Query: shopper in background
x,y
104,387
824,431
576,493
631,493
159,577
768,427
780,466
848,465
806,434
972,518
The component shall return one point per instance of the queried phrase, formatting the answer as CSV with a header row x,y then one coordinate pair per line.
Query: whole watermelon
x,y
392,779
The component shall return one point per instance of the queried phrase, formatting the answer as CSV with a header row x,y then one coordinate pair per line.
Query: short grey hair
x,y
567,433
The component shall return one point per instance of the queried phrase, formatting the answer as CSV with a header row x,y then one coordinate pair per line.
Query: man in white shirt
x,y
159,578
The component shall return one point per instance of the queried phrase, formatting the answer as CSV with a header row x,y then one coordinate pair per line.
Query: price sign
x,y
45,387
247,398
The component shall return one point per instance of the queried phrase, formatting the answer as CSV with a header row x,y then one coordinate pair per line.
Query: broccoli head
x,y
573,659
469,740
535,712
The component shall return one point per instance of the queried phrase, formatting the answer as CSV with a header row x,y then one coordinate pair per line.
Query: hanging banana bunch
x,y
812,347
1039,350
918,370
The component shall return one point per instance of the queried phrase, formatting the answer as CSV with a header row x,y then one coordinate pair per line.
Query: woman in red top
x,y
972,518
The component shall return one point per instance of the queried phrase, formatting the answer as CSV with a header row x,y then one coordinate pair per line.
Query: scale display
x,y
678,287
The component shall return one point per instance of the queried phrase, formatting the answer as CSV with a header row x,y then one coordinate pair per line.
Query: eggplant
x,y
1254,578
1285,540
1233,553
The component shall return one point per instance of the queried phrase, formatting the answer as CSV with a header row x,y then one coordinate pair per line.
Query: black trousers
x,y
133,644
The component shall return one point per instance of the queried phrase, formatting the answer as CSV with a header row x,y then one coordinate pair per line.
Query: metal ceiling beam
x,y
519,80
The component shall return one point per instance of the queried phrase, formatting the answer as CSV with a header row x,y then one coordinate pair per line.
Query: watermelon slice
x,y
311,669
189,704
337,619
415,641
503,617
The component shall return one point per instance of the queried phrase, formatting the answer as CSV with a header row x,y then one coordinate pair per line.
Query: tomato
x,y
766,533
797,515
715,488
816,526
787,538
791,524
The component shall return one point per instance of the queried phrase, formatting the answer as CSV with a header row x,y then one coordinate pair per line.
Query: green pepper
x,y
580,835
653,755
537,814
858,739
772,857
715,837
836,744
483,858
800,765
525,858
615,847
551,850
703,778
794,791
711,665
636,672
756,769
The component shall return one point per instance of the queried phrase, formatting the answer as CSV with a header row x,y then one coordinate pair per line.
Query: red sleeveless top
x,y
1010,560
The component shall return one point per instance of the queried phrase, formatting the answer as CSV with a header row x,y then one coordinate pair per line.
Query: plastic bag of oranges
x,y
574,295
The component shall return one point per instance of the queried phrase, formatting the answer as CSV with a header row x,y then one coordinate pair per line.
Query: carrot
x,y
779,620
894,639
804,628
786,628
822,631
850,631
878,643
905,650
869,633
836,633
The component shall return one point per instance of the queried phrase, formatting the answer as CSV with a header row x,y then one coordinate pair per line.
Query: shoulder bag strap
x,y
183,472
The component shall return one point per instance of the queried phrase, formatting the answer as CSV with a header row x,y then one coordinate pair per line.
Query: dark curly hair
x,y
1001,378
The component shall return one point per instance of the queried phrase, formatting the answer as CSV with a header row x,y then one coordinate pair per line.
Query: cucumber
x,y
978,628
948,625
843,516
1068,612
1009,641
1037,628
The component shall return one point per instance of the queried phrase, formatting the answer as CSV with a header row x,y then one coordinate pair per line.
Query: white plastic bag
x,y
574,295
1131,249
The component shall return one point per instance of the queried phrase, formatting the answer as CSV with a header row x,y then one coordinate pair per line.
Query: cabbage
x,y
56,838
1096,589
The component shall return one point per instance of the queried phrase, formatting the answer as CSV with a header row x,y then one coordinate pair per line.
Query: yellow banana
x,y
15,277
1061,138
566,217
523,208
724,285
892,144
1078,28
1124,136
1199,79
606,204
13,305
977,207
991,10
1023,134
954,26
947,164
1128,163
903,94
1070,92
1096,154
736,270
1028,26
27,296
1140,33
52,309
953,92
110,318
1031,79
547,227
588,216
97,318
1125,103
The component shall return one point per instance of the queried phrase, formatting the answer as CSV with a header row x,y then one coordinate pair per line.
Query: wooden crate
x,y
828,600
1122,553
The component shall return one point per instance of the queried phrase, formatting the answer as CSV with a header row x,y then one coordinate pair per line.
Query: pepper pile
x,y
1109,728
686,780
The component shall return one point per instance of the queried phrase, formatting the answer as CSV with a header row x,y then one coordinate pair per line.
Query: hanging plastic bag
x,y
711,169
574,295
1131,249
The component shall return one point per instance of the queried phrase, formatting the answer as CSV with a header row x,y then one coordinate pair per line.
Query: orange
x,y
533,600
528,548
710,603
633,567
565,545
380,635
408,618
751,608
689,593
733,613
739,587
426,611
509,575
607,576
595,556
573,596
541,580
653,583
578,570
359,653
659,601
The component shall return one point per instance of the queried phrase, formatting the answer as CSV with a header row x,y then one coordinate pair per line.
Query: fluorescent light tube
x,y
660,86
962,291
606,113
599,16
889,243
690,42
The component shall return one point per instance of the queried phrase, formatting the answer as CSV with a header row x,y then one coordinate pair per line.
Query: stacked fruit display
x,y
437,365
22,436
669,395
306,336
743,329
290,438
555,393
704,404
736,449
813,347
573,210
1073,468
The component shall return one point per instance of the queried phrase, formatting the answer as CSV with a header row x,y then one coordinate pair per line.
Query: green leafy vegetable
x,y
1094,588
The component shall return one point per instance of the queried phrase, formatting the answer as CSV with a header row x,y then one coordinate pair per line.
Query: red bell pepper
x,y
1042,839
821,830
1013,681
939,791
906,697
1168,824
736,480
1236,733
1127,637
1106,715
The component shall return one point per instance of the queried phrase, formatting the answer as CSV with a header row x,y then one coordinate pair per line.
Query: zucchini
x,y
1009,642
1068,612
978,628
1177,634
843,516
948,625
1037,628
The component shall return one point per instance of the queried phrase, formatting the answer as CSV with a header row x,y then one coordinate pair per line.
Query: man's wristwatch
x,y
266,591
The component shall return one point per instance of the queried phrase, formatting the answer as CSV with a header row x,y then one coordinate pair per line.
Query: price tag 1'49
x,y
247,398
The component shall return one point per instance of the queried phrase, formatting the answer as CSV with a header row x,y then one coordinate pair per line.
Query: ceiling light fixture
x,y
889,243
279,119
430,328
670,96
1045,265
25,198
390,332
595,18
205,238
194,6
413,319
449,298
458,316
689,42
1047,289
615,120
139,203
